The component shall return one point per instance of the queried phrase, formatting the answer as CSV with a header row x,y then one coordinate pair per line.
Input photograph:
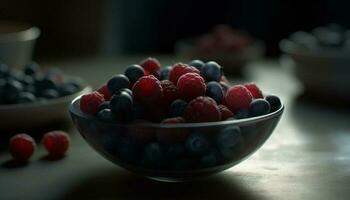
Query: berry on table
x,y
190,86
90,103
274,101
147,89
254,90
259,107
56,143
151,65
22,147
197,64
238,97
177,108
12,89
50,94
118,82
225,112
215,91
197,144
169,92
105,92
211,71
31,68
202,109
134,72
25,97
180,69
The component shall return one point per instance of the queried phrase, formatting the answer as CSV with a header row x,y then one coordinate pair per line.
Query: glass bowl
x,y
175,152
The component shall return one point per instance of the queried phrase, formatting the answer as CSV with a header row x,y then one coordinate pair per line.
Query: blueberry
x,y
241,114
153,154
214,90
26,97
274,101
45,83
174,151
126,150
224,86
27,80
11,90
67,89
31,68
197,64
229,141
197,144
118,82
259,107
134,72
164,73
106,115
211,71
122,106
104,105
210,159
76,82
127,90
49,94
177,108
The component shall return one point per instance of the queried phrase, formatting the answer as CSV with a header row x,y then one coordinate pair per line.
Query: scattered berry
x,y
202,109
56,143
177,108
105,92
254,90
118,82
197,64
22,147
31,68
259,107
190,86
274,101
134,72
238,97
169,92
211,71
151,65
215,91
225,112
90,103
179,69
147,89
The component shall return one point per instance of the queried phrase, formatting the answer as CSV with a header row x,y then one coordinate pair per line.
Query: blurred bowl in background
x,y
17,43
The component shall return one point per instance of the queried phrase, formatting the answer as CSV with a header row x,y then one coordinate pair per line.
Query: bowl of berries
x,y
35,97
178,126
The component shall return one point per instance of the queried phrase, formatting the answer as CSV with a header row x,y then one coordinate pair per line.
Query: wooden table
x,y
307,157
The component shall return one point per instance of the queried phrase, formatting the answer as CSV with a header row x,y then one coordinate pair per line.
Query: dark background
x,y
106,27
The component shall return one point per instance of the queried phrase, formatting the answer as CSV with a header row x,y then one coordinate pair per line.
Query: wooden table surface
x,y
307,156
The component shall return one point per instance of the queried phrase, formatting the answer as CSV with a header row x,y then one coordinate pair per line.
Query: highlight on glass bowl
x,y
34,96
175,123
321,60
232,48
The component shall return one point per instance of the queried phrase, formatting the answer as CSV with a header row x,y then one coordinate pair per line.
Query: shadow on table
x,y
119,184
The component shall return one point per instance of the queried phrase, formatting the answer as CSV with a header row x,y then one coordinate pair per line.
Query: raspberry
x,y
180,69
105,92
225,112
90,103
169,92
151,65
147,89
56,143
238,97
172,135
190,86
22,147
202,109
254,89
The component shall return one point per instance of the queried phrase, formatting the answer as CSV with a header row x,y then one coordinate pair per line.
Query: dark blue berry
x,y
134,72
104,105
153,154
214,90
126,150
67,89
31,68
77,83
45,83
259,107
229,141
241,114
197,64
121,105
177,108
224,86
274,101
49,94
26,97
106,115
210,159
118,82
127,90
164,73
174,151
197,144
11,90
27,80
211,71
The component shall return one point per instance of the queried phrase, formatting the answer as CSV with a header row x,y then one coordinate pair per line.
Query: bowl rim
x,y
74,111
29,32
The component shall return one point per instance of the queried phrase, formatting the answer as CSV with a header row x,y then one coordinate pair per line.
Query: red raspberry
x,y
190,86
179,69
169,92
147,89
105,92
22,147
202,109
238,97
254,89
172,135
151,65
56,143
89,103
225,112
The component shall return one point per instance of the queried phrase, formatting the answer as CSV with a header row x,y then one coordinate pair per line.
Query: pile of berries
x,y
32,84
193,92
